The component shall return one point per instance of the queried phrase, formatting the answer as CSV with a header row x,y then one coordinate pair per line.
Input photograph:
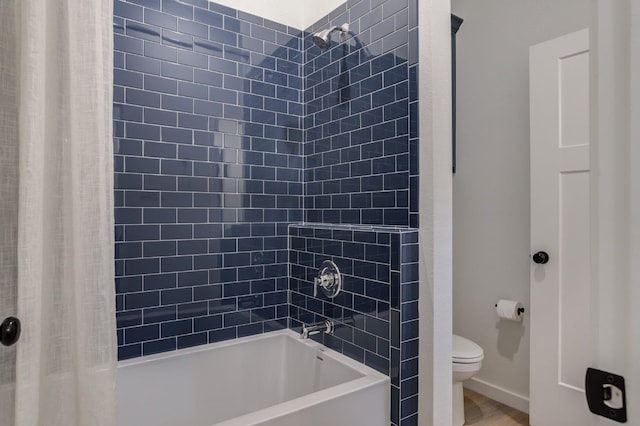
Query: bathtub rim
x,y
306,401
369,378
365,370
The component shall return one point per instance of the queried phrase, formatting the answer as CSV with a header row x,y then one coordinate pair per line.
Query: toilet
x,y
467,359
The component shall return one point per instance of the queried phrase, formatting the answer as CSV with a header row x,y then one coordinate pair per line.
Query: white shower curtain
x,y
56,65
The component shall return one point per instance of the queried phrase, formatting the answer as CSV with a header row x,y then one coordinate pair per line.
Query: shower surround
x,y
230,131
207,118
361,117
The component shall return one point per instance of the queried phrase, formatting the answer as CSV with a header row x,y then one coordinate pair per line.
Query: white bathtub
x,y
273,379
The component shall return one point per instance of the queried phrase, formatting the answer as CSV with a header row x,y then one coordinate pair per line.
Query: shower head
x,y
322,39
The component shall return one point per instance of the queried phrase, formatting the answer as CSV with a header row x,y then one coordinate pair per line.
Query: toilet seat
x,y
464,351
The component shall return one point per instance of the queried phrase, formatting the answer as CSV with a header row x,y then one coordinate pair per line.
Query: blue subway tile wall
x,y
360,100
376,313
228,128
409,329
361,167
208,133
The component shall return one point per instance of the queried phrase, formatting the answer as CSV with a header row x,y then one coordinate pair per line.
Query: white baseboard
x,y
506,397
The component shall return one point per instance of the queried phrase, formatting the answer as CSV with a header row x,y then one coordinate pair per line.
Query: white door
x,y
561,338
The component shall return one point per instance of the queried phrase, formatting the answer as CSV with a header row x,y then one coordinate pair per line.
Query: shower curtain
x,y
56,253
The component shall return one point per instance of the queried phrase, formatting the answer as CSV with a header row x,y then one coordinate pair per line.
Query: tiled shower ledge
x,y
355,227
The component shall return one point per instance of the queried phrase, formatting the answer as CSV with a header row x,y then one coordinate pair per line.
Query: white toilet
x,y
467,359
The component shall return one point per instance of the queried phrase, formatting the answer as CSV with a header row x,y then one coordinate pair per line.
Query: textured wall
x,y
207,119
224,137
361,117
361,168
376,315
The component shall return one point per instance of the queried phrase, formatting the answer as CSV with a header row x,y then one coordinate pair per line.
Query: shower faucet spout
x,y
311,329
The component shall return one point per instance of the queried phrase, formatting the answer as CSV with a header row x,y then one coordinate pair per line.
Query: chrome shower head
x,y
322,39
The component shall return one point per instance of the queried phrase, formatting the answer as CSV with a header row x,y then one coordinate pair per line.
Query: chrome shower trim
x,y
322,39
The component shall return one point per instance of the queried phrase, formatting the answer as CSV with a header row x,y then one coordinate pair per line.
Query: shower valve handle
x,y
325,281
328,279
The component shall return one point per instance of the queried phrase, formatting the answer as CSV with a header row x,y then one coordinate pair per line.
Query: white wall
x,y
296,13
434,404
491,186
617,196
633,367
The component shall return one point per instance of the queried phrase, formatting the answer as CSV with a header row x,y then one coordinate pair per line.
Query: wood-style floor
x,y
482,411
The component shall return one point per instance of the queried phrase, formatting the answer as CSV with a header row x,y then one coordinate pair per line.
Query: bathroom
x,y
245,155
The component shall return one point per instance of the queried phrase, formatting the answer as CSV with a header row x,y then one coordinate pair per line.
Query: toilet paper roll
x,y
511,310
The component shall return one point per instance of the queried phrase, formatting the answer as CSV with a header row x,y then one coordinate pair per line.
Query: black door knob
x,y
10,331
540,257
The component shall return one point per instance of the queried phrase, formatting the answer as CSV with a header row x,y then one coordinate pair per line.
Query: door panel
x,y
560,225
574,281
574,100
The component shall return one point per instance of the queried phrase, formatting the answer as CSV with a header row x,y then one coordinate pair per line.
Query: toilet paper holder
x,y
520,310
